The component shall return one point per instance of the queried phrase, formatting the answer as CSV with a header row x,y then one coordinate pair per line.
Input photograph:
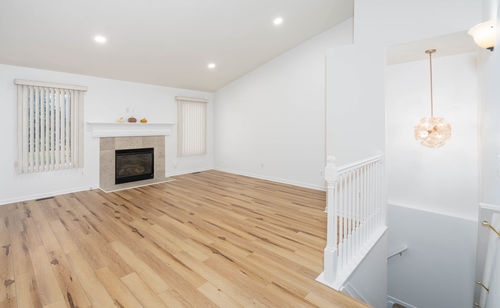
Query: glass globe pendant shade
x,y
432,132
484,34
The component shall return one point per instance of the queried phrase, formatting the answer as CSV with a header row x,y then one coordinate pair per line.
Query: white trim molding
x,y
44,195
272,179
191,99
182,172
353,292
49,85
491,207
392,300
110,129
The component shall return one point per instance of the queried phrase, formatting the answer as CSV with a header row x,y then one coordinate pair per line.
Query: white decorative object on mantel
x,y
112,129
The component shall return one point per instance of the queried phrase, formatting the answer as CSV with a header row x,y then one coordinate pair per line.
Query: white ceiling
x,y
163,42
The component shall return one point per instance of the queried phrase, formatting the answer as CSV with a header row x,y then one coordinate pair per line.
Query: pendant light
x,y
434,131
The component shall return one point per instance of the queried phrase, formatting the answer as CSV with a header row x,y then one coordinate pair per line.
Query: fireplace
x,y
134,165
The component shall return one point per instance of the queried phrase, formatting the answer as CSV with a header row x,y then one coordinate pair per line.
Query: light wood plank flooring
x,y
207,239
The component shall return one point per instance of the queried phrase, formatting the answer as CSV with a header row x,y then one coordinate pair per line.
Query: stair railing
x,y
356,212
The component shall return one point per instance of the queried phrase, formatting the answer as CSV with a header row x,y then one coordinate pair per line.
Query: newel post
x,y
330,253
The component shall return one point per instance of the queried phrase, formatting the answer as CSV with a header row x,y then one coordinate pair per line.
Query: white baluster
x,y
365,190
384,203
358,202
379,194
356,208
349,215
330,253
370,211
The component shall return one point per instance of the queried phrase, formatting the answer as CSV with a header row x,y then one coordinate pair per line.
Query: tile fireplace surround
x,y
107,148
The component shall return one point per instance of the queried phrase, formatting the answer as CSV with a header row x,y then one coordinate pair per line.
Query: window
x,y
50,126
191,126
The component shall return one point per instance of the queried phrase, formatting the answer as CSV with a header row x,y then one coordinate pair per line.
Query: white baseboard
x,y
137,186
44,195
353,292
272,179
392,300
181,172
168,174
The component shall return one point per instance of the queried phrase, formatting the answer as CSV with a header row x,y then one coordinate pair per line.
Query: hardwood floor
x,y
207,239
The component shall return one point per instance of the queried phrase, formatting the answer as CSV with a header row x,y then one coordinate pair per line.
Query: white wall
x,y
106,100
355,108
437,270
356,73
436,190
377,25
489,78
368,282
443,180
489,72
387,22
271,123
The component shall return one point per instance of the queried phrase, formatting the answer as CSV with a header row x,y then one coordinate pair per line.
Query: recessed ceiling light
x,y
278,21
211,66
100,39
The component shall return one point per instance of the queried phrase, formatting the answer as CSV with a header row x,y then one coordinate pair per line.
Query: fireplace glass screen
x,y
134,165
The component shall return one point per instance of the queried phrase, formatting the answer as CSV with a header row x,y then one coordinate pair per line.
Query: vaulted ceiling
x,y
163,42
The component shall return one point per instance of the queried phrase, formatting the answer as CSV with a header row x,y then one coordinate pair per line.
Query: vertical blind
x,y
192,126
50,126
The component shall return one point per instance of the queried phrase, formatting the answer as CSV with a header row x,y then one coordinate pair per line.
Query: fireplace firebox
x,y
134,165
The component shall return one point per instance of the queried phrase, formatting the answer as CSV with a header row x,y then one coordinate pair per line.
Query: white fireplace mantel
x,y
115,129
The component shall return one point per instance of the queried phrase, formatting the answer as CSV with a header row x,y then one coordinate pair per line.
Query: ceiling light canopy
x,y
211,65
484,34
434,131
100,39
278,21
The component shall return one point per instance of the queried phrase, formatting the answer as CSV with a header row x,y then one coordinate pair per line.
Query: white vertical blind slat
x,y
31,126
62,141
37,125
81,159
25,129
42,129
57,126
19,129
67,149
53,94
73,138
76,126
204,128
47,128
